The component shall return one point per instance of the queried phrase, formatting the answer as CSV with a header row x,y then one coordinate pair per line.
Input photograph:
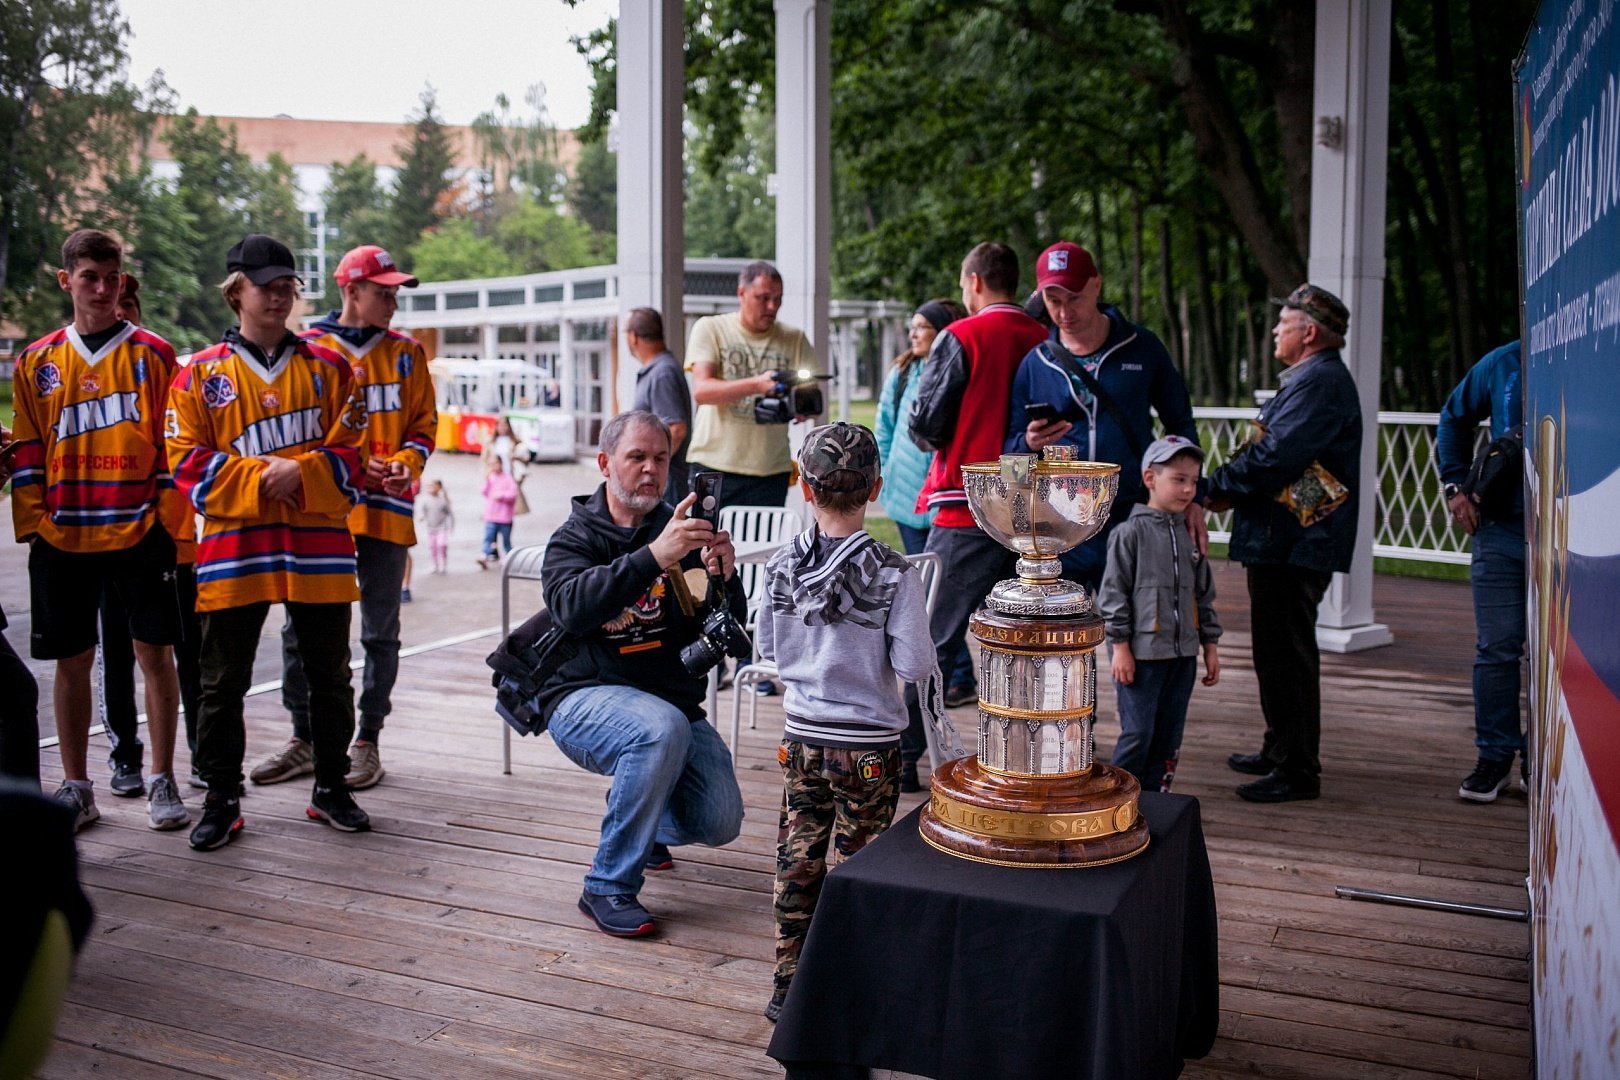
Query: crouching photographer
x,y
624,704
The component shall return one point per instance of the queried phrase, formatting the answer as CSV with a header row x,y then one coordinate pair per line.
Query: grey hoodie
x,y
1157,592
842,618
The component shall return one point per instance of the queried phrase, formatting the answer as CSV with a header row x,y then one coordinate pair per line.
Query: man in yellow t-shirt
x,y
732,358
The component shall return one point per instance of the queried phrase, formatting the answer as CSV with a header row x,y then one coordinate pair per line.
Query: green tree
x,y
455,251
519,154
593,191
423,180
66,114
538,238
356,204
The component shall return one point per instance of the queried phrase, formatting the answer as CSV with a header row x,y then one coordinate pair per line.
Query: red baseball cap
x,y
1068,266
372,263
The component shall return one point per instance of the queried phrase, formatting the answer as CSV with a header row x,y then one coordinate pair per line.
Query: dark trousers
x,y
380,566
970,565
960,672
230,638
739,490
19,715
1282,611
119,711
1152,716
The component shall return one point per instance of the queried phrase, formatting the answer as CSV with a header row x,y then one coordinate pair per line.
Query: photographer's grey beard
x,y
637,504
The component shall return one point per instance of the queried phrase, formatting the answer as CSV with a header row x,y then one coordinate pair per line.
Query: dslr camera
x,y
721,635
795,393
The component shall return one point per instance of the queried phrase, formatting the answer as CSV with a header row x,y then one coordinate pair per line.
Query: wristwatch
x,y
1452,491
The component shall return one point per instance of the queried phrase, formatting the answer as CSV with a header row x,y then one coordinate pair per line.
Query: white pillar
x,y
491,342
1349,167
803,165
649,85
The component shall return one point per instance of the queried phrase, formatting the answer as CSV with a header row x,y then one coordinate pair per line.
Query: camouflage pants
x,y
837,796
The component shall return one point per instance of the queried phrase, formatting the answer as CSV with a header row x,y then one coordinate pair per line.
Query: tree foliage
x,y
423,182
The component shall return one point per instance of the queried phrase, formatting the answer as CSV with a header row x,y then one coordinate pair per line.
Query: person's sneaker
x,y
957,696
126,780
1524,775
336,807
197,781
404,596
763,688
1252,764
365,766
1488,778
297,758
620,914
221,820
659,858
164,810
82,801
773,1009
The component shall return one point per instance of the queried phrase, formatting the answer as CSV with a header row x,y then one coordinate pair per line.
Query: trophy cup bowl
x,y
1033,796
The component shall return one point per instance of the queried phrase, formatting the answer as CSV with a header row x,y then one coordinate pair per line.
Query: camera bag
x,y
522,664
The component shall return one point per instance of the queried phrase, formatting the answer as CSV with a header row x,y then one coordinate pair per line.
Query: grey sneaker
x,y
82,801
164,810
197,781
365,766
297,758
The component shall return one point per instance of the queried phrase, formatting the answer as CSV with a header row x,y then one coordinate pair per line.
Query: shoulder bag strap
x,y
1063,356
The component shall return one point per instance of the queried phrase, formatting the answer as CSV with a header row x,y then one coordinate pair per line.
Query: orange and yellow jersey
x,y
90,468
227,410
401,420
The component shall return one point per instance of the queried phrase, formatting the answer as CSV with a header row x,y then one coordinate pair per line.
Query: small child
x,y
843,616
433,508
1158,606
500,507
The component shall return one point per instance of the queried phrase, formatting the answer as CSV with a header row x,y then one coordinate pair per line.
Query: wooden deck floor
x,y
446,943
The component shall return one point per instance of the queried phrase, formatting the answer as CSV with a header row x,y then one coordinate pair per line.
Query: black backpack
x,y
1496,477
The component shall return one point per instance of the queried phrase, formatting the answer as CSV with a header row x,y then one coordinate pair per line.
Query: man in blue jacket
x,y
1315,419
1092,344
1492,389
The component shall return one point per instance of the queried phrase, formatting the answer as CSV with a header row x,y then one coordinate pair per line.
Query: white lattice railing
x,y
1411,517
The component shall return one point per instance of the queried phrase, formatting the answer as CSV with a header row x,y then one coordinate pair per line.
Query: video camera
x,y
796,393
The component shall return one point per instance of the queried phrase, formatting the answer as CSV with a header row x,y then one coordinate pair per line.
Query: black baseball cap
x,y
261,258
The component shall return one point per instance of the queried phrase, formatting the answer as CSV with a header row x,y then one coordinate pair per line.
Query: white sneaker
x,y
164,810
81,800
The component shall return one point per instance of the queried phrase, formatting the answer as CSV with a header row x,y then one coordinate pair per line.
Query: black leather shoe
x,y
1253,764
1279,787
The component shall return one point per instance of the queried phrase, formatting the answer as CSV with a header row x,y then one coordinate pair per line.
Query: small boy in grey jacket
x,y
1158,609
843,615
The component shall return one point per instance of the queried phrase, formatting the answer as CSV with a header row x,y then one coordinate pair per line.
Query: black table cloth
x,y
930,964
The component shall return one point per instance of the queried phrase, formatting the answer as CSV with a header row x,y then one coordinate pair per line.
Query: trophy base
x,y
1039,822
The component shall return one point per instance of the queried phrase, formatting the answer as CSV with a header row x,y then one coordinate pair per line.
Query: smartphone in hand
x,y
706,486
1042,412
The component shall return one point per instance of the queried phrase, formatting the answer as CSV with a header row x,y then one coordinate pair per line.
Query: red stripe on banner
x,y
1595,712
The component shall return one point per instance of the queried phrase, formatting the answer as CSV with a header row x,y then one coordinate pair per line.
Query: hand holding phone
x,y
1041,412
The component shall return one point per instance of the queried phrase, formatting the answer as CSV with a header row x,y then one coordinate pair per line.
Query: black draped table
x,y
930,964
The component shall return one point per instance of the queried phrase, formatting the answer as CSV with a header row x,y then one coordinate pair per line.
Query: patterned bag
x,y
1315,495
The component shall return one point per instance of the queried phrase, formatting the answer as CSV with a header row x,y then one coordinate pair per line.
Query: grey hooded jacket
x,y
1157,592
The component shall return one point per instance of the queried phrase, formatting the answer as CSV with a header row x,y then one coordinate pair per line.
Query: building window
x,y
425,302
462,335
460,301
548,294
511,335
505,297
590,290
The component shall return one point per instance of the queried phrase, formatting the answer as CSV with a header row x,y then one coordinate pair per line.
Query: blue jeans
x,y
492,530
1497,574
672,779
1152,716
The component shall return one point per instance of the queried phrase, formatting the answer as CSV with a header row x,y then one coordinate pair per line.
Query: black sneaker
x,y
620,914
659,858
957,696
1488,778
773,1010
336,807
221,820
126,780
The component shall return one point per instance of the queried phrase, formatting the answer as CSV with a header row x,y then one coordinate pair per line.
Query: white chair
x,y
753,528
928,565
520,564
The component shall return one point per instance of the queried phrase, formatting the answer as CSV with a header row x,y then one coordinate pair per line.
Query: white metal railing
x,y
1410,518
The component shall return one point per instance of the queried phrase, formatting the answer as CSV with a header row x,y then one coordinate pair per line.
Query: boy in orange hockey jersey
x,y
88,476
267,438
400,427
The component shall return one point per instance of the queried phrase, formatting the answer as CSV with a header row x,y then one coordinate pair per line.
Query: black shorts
x,y
66,588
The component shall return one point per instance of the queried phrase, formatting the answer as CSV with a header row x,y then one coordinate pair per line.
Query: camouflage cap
x,y
1320,305
834,449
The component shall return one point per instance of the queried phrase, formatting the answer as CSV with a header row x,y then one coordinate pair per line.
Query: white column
x,y
803,165
649,86
568,377
1349,167
491,340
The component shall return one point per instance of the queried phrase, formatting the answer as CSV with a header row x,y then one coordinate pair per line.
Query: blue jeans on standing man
x,y
1152,716
1497,575
673,780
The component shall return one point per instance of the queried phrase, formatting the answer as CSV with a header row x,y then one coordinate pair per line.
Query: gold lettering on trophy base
x,y
1089,825
1012,635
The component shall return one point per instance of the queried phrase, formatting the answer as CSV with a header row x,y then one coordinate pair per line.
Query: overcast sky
x,y
316,59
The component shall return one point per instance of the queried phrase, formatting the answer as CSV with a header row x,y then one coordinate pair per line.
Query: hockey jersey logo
x,y
279,432
98,413
270,398
218,390
47,379
89,383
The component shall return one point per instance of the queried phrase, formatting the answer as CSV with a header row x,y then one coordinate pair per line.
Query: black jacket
x,y
602,584
1316,416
